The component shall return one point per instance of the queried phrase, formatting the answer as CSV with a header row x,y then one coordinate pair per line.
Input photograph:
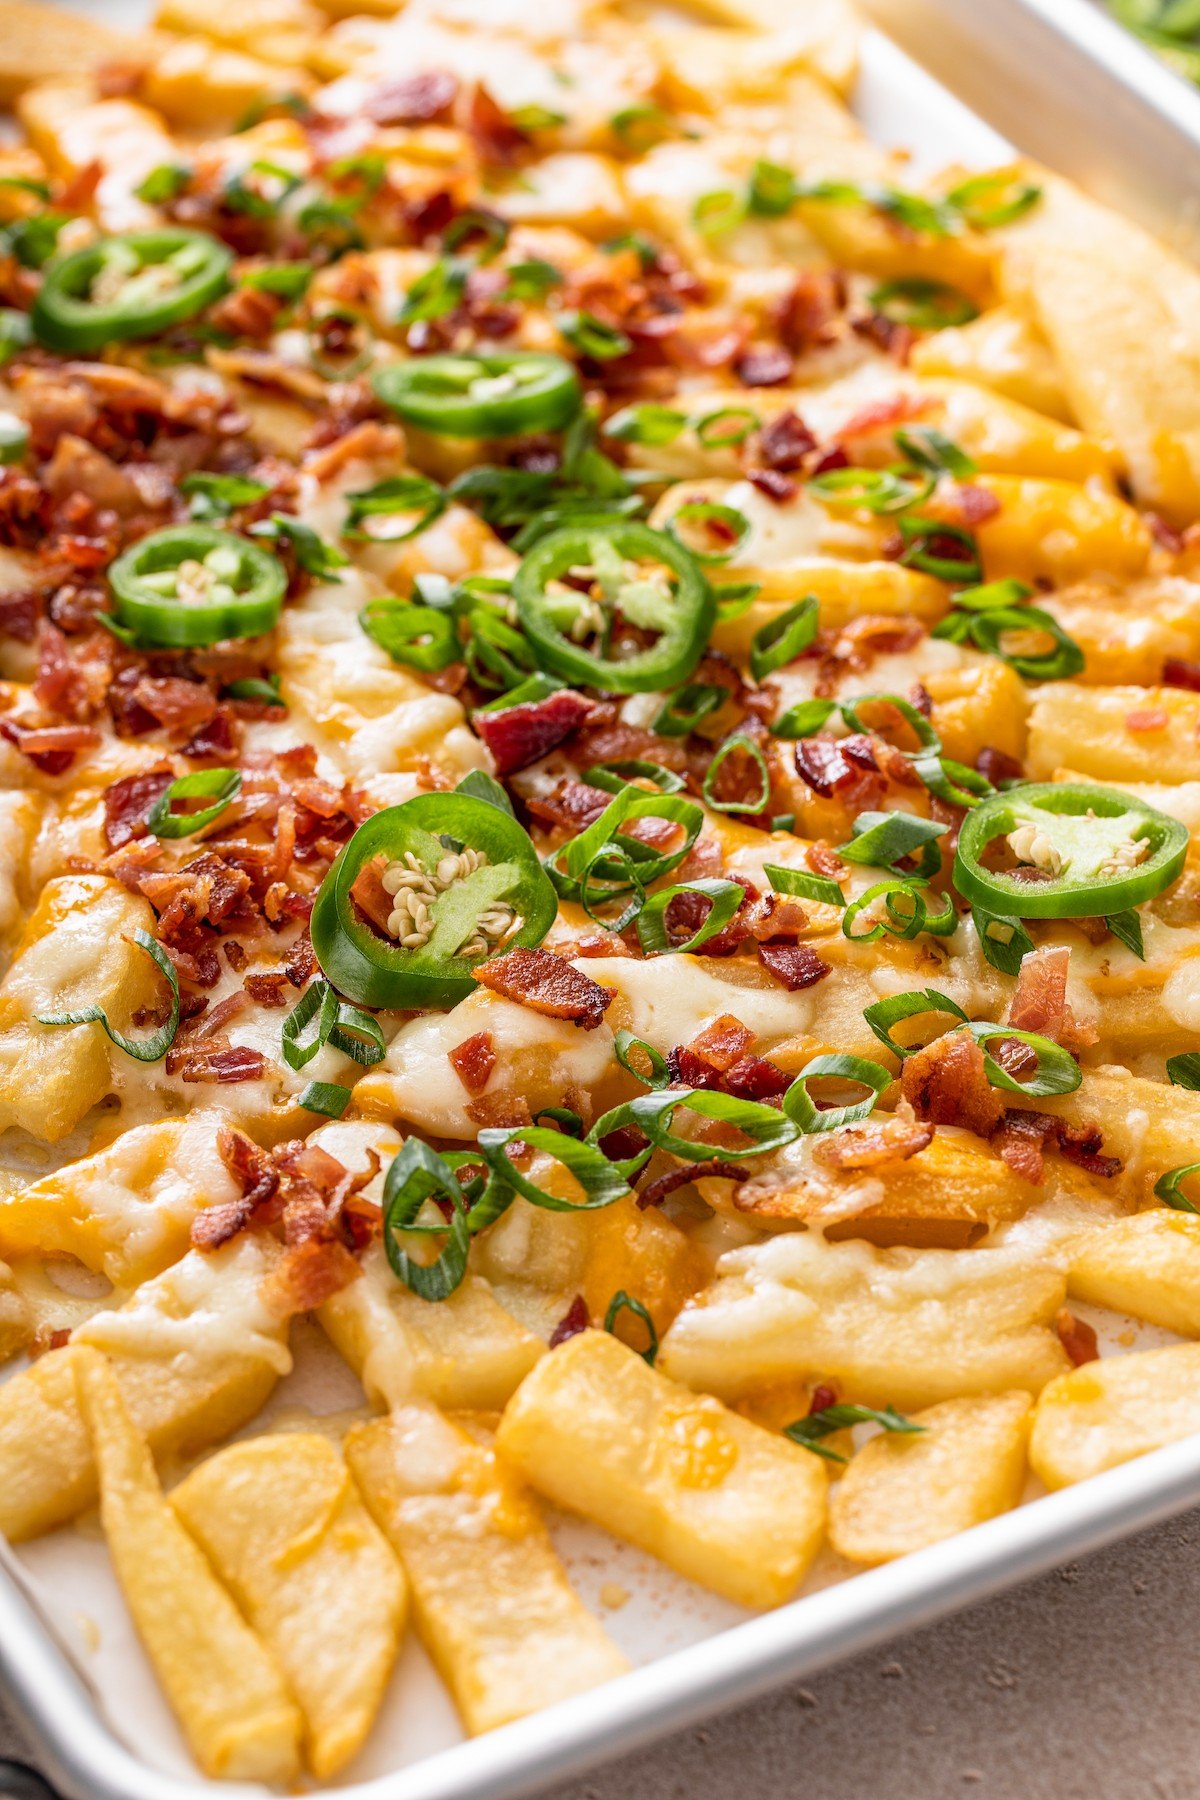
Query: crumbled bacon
x,y
1177,673
371,897
174,703
1147,719
785,443
502,1108
763,365
795,965
1039,1003
300,962
308,1275
547,984
50,748
270,988
808,315
823,859
225,1063
997,765
828,764
473,1061
573,1321
721,1043
573,805
774,484
946,1082
875,1143
656,1191
129,803
1077,1337
1023,1137
520,735
497,138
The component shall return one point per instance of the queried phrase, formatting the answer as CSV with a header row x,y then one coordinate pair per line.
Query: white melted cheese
x,y
204,1311
671,998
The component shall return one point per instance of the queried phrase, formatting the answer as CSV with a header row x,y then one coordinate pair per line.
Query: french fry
x,y
1108,1412
282,1523
902,1492
223,1684
1147,1265
716,1497
491,1600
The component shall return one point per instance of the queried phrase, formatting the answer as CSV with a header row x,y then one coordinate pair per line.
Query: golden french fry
x,y
282,1523
718,1498
490,1598
1108,1412
1147,1265
901,1492
223,1684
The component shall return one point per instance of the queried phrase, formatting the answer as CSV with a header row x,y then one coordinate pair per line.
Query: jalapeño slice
x,y
131,286
1081,851
195,584
422,895
474,395
646,577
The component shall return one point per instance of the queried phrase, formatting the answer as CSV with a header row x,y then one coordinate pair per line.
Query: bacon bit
x,y
223,1063
247,312
129,803
1077,1337
764,365
370,896
722,1043
749,1078
822,1398
827,763
687,912
300,963
776,486
1039,1002
473,1061
875,1143
176,704
547,984
832,457
823,859
497,138
235,955
968,505
795,965
809,314
573,805
785,443
946,1083
72,684
883,415
50,748
573,1321
997,766
413,99
1023,1136
1147,718
1177,673
309,1274
889,335
520,735
20,612
503,1108
268,989
1164,535
656,1191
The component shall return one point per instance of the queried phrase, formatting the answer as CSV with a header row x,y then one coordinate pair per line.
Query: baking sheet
x,y
693,1651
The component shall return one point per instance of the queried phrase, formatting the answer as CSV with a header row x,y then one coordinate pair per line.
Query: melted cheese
x,y
206,1310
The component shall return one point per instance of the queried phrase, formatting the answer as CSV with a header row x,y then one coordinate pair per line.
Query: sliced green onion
x,y
740,743
215,496
804,719
986,201
809,1432
416,636
804,885
646,424
924,732
1168,1189
221,785
897,923
313,554
14,439
625,1043
683,710
601,1180
725,897
715,431
417,1175
798,1103
565,1117
437,292
880,491
767,1128
622,772
355,1033
782,639
399,494
922,538
1127,926
928,448
166,182
732,525
925,305
1184,1071
881,839
328,1098
623,1302
772,192
148,1049
592,337
16,333
718,212
1057,1071
882,1015
1003,940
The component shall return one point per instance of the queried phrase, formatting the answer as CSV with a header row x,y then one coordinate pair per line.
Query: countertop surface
x,y
1080,1686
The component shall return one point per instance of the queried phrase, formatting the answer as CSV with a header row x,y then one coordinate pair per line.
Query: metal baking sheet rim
x,y
89,1763
1159,117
